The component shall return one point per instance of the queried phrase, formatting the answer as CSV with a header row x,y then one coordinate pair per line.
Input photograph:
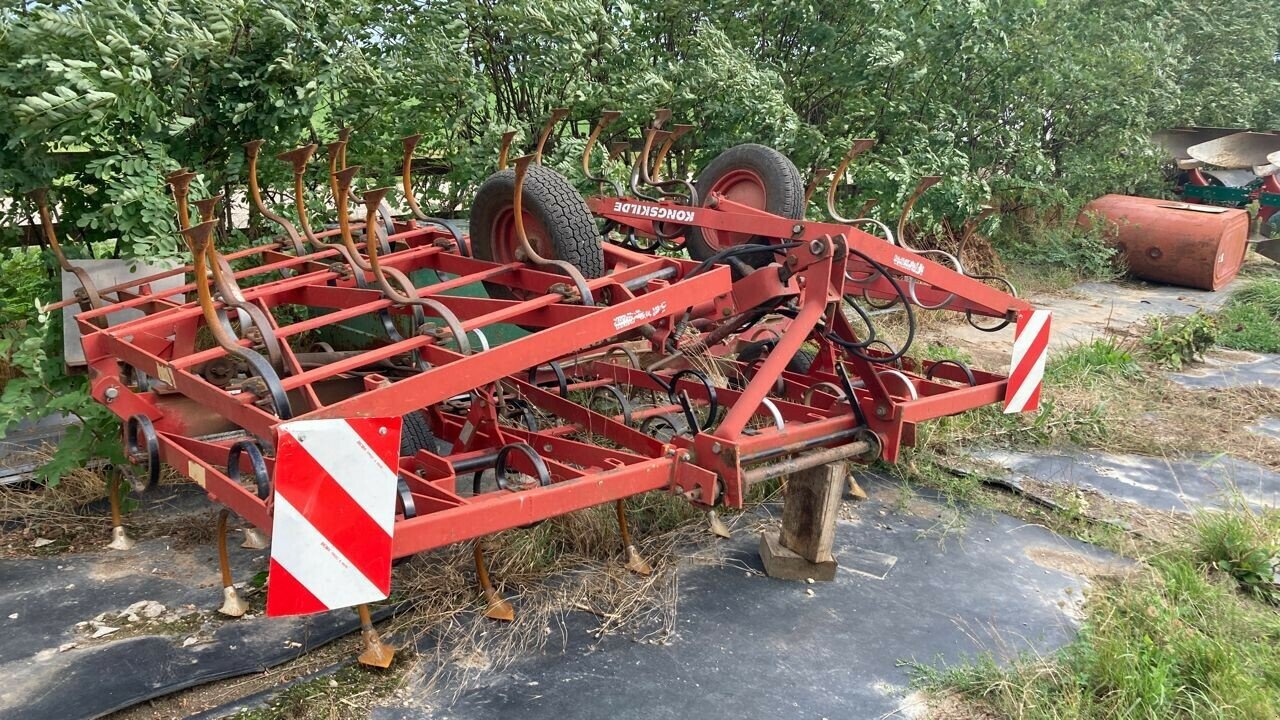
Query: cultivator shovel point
x,y
373,651
551,361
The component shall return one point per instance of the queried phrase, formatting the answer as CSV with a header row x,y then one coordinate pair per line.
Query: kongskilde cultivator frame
x,y
607,395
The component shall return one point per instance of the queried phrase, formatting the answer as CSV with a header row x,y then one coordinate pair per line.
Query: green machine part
x,y
367,331
1217,194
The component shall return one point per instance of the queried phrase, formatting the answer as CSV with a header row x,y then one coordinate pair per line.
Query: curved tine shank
x,y
517,209
607,118
180,181
971,225
819,174
407,293
658,138
505,148
41,198
859,146
640,168
200,240
342,186
344,137
557,114
406,176
677,132
251,151
335,151
225,281
925,183
299,157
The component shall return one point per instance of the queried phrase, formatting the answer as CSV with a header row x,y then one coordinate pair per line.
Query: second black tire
x,y
783,189
554,204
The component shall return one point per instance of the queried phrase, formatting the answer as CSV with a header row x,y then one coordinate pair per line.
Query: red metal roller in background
x,y
1198,246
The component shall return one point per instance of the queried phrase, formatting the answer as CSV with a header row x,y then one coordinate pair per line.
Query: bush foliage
x,y
1039,105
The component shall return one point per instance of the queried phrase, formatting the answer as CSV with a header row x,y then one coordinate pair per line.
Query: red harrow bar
x,y
689,370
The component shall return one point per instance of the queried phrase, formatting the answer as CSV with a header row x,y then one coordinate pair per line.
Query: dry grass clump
x,y
37,505
566,564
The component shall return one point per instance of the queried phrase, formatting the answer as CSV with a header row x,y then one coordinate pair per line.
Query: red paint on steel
x,y
741,186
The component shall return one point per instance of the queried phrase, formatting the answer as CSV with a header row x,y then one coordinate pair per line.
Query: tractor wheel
x,y
752,175
556,219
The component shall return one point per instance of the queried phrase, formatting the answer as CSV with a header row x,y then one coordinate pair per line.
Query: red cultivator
x,y
633,371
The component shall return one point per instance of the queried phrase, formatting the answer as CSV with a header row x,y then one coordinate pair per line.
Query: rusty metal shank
x,y
607,118
557,115
406,176
859,146
251,151
531,255
406,293
91,298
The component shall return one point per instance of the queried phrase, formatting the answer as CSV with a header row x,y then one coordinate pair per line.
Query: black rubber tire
x,y
783,186
555,203
799,363
415,435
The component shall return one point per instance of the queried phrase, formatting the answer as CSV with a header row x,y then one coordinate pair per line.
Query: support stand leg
x,y
810,506
232,604
635,563
497,608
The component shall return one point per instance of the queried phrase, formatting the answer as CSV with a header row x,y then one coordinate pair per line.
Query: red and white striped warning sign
x,y
1026,369
335,507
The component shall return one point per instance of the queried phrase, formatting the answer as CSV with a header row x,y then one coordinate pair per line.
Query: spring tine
x,y
859,146
925,183
40,196
406,176
299,157
660,138
232,604
335,150
344,137
208,207
635,562
180,181
971,225
607,118
372,199
90,297
496,608
661,117
505,149
557,114
526,248
677,132
819,174
251,150
341,181
374,652
120,539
